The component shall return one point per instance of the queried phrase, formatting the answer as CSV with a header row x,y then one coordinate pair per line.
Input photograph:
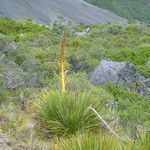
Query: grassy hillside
x,y
34,113
130,9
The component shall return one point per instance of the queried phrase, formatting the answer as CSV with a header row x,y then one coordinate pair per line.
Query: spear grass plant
x,y
90,141
67,113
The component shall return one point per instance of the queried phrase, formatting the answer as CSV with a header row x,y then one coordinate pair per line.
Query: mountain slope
x,y
29,66
131,9
46,11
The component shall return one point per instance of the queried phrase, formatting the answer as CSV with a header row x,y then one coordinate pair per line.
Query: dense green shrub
x,y
15,28
17,56
57,28
144,70
2,96
138,56
132,107
130,9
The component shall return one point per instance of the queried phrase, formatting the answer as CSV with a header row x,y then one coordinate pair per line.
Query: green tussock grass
x,y
67,113
90,141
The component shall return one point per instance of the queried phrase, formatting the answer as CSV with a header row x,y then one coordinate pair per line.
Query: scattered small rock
x,y
84,32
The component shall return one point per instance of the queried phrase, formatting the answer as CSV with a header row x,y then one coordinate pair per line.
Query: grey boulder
x,y
122,73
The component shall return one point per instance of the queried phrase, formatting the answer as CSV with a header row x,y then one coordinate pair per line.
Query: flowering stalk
x,y
62,60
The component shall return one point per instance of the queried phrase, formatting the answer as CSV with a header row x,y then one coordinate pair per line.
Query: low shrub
x,y
138,56
133,108
2,96
144,70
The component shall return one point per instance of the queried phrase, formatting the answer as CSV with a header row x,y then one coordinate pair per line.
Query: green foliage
x,y
2,82
73,83
67,113
138,56
16,56
40,54
57,28
90,141
115,42
2,96
132,107
130,9
145,39
144,70
9,26
14,28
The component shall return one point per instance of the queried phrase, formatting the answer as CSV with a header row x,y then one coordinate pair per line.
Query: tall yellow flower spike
x,y
62,60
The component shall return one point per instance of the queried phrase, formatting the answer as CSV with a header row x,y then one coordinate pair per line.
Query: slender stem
x,y
104,122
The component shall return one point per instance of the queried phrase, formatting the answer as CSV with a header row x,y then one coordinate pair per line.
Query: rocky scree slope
x,y
48,11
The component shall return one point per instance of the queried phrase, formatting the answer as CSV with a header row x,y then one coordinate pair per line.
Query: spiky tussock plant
x,y
90,141
67,113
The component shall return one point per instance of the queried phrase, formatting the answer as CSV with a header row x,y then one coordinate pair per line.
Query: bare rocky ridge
x,y
47,11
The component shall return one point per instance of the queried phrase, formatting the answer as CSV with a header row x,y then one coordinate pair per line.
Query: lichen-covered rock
x,y
122,73
6,44
32,81
2,58
13,78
